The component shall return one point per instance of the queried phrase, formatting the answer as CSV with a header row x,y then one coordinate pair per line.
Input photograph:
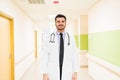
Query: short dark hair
x,y
59,16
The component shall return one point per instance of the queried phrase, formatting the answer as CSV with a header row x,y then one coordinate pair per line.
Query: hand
x,y
45,77
74,76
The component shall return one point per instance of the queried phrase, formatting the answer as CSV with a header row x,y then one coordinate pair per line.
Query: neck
x,y
61,31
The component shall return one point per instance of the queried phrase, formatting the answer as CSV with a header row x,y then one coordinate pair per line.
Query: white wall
x,y
104,70
23,37
104,16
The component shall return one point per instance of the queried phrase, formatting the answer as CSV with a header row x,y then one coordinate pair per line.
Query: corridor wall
x,y
23,37
104,31
81,37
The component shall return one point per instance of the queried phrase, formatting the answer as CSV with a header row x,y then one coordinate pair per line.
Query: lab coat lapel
x,y
55,47
65,41
56,41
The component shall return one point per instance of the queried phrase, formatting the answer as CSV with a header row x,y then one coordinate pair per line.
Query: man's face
x,y
60,23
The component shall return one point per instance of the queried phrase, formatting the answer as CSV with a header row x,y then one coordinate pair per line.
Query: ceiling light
x,y
51,16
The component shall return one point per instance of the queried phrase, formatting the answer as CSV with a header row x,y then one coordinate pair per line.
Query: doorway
x,y
6,48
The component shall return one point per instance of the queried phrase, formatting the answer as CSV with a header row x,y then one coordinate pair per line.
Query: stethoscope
x,y
52,38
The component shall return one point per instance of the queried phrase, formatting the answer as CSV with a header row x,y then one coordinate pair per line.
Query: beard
x,y
60,27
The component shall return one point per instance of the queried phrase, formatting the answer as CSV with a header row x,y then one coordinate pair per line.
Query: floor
x,y
34,73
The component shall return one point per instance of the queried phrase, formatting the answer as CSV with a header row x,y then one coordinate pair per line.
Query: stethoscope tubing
x,y
52,37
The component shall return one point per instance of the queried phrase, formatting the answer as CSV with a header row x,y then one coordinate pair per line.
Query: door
x,y
6,49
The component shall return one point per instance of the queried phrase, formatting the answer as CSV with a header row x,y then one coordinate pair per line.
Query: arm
x,y
45,59
75,59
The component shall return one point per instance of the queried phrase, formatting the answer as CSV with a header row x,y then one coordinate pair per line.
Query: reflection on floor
x,y
34,73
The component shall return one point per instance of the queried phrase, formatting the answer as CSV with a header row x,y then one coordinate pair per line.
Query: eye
x,y
58,21
63,21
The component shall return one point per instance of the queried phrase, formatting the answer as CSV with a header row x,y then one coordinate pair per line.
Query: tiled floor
x,y
34,73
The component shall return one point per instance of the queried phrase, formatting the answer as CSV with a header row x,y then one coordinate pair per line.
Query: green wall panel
x,y
76,40
106,45
84,42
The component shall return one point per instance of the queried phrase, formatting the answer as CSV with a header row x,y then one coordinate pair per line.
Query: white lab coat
x,y
51,58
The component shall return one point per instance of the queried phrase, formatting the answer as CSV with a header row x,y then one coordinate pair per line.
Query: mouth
x,y
60,25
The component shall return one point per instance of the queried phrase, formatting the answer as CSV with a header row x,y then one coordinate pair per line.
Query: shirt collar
x,y
59,33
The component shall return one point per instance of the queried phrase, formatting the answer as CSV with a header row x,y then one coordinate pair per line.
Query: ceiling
x,y
39,11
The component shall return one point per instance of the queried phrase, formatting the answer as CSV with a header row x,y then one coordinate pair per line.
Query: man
x,y
60,57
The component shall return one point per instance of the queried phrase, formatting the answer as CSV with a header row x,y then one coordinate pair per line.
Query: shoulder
x,y
70,34
47,35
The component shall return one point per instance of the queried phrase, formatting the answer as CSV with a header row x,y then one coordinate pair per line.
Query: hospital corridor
x,y
34,34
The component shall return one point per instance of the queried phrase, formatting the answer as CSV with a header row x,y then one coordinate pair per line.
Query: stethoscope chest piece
x,y
68,44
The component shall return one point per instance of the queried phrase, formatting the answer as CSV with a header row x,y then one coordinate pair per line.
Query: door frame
x,y
36,54
11,41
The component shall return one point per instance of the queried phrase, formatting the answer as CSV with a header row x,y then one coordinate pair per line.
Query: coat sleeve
x,y
45,55
75,56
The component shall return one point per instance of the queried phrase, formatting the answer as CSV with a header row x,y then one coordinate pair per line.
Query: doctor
x,y
60,59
